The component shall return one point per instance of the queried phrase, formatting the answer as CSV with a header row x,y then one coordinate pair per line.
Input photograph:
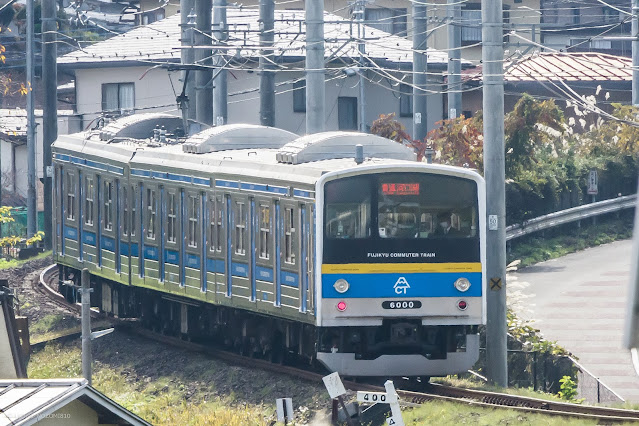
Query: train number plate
x,y
401,304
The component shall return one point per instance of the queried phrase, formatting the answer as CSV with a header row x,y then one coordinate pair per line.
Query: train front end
x,y
401,255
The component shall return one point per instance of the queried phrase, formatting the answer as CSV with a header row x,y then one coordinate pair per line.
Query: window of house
x,y
289,234
194,205
150,213
118,97
171,223
610,14
390,20
347,113
265,232
90,195
471,24
405,100
299,96
70,196
108,205
576,15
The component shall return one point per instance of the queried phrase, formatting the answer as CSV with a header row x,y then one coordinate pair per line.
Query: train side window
x,y
134,209
194,205
150,211
70,196
289,234
240,228
90,195
108,205
265,232
171,225
125,211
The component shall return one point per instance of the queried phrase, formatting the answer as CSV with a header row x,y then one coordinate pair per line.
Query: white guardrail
x,y
570,215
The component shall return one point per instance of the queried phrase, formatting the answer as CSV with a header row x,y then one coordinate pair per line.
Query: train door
x,y
228,224
202,224
89,235
216,248
288,283
241,250
304,257
116,231
192,242
98,223
172,238
265,252
136,234
80,220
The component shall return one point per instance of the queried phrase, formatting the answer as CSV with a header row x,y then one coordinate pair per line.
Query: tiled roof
x,y
25,402
569,66
160,41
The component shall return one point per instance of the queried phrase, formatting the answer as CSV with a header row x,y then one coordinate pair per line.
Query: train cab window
x,y
171,223
70,196
134,209
90,196
150,212
240,228
265,232
108,205
125,212
289,234
194,205
348,211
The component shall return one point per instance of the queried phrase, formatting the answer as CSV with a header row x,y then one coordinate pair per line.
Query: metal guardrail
x,y
570,215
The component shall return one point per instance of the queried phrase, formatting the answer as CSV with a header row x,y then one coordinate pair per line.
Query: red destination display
x,y
400,188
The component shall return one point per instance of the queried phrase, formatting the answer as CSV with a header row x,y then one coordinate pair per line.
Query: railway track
x,y
430,392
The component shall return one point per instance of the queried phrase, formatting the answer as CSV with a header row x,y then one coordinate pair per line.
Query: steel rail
x,y
570,215
410,398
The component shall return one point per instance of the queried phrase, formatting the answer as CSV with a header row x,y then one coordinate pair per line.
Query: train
x,y
336,247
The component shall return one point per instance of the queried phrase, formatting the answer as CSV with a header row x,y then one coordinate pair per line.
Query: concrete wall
x,y
155,93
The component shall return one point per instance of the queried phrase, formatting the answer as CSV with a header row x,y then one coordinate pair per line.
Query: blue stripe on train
x,y
239,269
392,286
264,274
215,265
71,233
107,243
88,237
290,279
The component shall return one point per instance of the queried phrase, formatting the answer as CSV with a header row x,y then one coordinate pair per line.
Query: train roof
x,y
253,151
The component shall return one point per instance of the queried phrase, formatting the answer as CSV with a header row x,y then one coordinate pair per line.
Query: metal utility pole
x,y
85,293
315,95
186,7
359,18
203,77
50,113
635,52
454,59
32,213
420,70
267,75
494,173
220,93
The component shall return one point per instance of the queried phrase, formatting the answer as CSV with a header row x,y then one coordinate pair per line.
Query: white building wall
x,y
155,93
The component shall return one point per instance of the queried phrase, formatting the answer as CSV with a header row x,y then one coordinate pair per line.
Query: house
x,y
129,72
577,26
589,81
67,402
13,152
523,17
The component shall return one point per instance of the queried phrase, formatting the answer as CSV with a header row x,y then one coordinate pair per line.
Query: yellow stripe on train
x,y
402,268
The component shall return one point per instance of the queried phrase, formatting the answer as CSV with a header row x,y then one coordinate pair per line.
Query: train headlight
x,y
341,285
462,284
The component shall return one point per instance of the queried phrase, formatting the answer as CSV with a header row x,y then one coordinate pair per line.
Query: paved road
x,y
579,301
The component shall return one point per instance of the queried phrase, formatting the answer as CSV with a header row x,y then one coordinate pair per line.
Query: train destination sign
x,y
400,188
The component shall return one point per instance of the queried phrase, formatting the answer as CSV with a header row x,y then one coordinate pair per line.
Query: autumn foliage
x,y
388,127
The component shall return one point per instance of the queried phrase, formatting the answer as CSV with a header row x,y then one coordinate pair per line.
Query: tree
x,y
388,127
459,141
11,241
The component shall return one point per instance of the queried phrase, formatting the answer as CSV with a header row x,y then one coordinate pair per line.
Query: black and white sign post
x,y
336,390
388,397
285,411
593,189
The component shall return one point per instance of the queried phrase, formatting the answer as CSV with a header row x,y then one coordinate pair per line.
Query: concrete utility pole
x,y
203,84
315,95
454,59
635,52
220,93
359,18
85,293
50,118
494,173
32,213
267,75
186,6
420,70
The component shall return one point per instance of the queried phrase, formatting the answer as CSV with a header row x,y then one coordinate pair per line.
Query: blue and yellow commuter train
x,y
337,247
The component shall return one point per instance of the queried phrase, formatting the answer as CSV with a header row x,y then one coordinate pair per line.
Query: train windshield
x,y
401,206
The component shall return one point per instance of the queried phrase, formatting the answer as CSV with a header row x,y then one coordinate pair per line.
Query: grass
x,y
540,247
15,263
